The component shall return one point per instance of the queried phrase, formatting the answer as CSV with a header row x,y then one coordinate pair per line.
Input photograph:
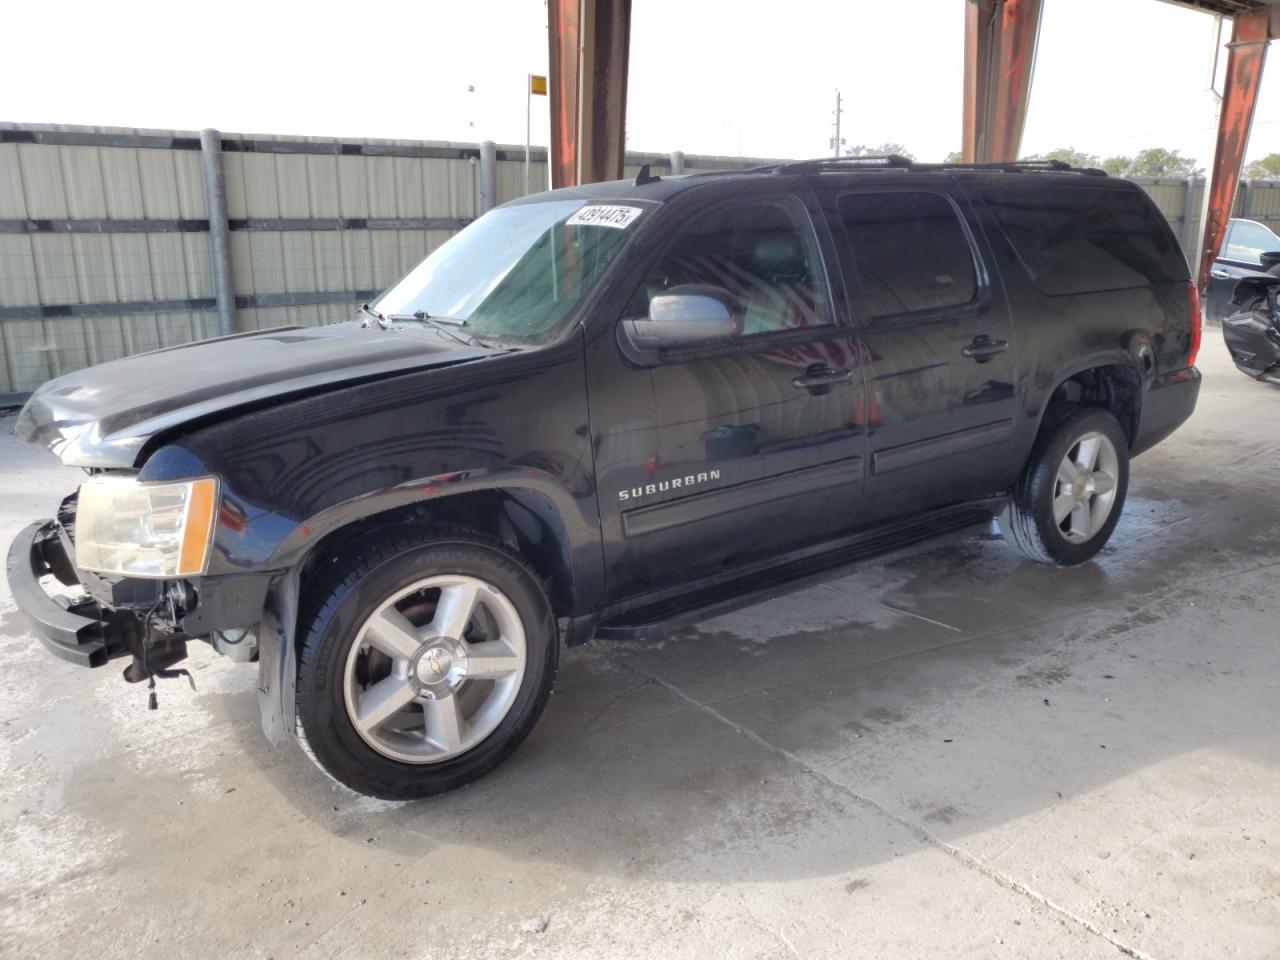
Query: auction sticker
x,y
600,215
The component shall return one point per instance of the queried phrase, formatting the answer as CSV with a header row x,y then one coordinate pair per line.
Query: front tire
x,y
1069,498
424,664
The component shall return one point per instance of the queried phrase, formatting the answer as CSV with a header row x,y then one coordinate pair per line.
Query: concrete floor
x,y
953,753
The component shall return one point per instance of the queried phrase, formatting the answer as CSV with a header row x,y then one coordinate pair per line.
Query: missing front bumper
x,y
107,617
81,631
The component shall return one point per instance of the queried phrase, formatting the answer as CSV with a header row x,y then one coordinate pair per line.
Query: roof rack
x,y
1017,166
892,161
884,161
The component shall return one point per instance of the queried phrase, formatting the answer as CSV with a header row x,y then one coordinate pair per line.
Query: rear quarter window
x,y
1082,239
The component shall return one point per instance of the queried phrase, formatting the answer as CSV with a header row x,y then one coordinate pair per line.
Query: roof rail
x,y
892,161
883,160
1016,166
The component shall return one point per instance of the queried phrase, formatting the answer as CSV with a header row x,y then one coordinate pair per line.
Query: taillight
x,y
1193,295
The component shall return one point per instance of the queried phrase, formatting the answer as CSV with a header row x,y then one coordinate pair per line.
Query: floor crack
x,y
917,831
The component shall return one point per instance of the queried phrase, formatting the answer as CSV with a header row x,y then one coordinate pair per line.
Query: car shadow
x,y
934,695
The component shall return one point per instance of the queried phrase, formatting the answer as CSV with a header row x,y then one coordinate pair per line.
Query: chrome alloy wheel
x,y
1085,491
435,669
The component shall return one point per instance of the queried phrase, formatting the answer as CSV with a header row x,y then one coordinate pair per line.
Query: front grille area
x,y
67,516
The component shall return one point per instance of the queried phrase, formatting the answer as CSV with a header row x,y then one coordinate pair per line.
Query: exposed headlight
x,y
145,529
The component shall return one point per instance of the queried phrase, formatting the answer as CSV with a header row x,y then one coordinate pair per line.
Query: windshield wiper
x,y
443,324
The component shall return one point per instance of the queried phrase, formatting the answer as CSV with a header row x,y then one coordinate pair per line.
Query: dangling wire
x,y
153,702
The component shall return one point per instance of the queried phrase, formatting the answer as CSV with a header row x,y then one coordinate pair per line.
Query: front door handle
x,y
984,348
1219,274
820,378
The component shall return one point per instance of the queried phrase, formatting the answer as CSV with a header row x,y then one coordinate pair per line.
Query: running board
x,y
663,616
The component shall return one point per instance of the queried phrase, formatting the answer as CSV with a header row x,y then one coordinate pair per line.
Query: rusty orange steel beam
x,y
1246,55
999,58
562,30
590,43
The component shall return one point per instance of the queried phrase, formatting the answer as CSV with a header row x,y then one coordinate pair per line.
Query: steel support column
x,y
488,176
1246,54
999,58
215,197
590,43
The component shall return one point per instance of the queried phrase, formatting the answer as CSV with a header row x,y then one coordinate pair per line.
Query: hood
x,y
102,416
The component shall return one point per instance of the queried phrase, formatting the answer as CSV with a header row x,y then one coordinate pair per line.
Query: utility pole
x,y
836,141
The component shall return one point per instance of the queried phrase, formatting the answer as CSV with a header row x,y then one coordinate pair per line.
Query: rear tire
x,y
1070,496
426,660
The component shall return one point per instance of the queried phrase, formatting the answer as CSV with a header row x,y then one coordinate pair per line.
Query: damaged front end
x,y
1253,334
89,618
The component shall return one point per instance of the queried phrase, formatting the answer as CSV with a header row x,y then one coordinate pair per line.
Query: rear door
x,y
937,341
1242,249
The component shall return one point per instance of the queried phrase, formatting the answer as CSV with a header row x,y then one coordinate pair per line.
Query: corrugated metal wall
x,y
63,183
104,249
102,227
282,187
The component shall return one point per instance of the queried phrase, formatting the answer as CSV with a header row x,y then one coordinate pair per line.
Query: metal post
x,y
488,175
215,199
590,44
1246,199
1246,54
677,162
528,127
999,60
1187,235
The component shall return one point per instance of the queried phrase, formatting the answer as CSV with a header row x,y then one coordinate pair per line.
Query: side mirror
x,y
1270,258
690,315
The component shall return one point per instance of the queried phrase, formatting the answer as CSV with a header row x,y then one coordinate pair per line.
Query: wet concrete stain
x,y
1044,677
946,814
883,715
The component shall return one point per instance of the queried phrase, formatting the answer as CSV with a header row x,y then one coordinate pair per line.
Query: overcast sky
x,y
712,76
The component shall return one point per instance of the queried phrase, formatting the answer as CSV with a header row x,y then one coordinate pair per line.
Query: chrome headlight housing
x,y
150,530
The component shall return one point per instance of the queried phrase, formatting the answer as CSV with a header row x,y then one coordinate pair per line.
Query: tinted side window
x,y
1082,239
910,253
764,254
1248,241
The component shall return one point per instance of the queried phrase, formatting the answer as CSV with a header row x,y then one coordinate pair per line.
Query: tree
x,y
955,156
1117,165
1068,155
1159,162
862,150
1268,168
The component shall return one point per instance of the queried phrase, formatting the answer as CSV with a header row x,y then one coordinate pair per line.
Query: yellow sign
x,y
537,85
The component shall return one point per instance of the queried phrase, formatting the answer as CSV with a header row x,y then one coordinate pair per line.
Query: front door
x,y
938,343
716,459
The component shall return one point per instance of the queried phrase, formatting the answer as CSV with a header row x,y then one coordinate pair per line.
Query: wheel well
x,y
523,521
1116,387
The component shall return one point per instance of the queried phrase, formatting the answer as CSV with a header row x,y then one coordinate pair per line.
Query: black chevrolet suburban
x,y
602,412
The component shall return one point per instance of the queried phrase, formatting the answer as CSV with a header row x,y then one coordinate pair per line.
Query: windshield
x,y
517,272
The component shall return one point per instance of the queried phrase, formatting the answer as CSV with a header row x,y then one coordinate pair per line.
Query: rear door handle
x,y
1219,274
984,348
821,378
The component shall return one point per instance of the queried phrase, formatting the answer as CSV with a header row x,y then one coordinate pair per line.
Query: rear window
x,y
910,253
1085,239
